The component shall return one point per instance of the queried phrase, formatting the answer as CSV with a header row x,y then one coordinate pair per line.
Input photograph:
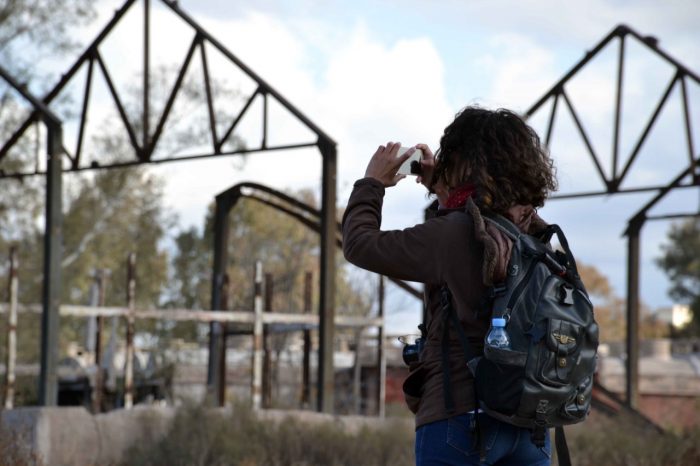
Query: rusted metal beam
x,y
267,353
326,373
306,364
131,304
381,354
257,362
632,361
53,252
11,333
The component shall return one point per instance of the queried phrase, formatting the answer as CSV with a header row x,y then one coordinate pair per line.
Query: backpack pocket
x,y
508,368
559,354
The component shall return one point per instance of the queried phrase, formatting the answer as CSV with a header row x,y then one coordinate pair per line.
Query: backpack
x,y
545,378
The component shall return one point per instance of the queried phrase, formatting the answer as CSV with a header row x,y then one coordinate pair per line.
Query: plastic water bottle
x,y
497,336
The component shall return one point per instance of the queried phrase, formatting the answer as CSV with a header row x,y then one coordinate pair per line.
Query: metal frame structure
x,y
300,211
688,177
48,382
143,146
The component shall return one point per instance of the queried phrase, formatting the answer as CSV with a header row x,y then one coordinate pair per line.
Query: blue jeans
x,y
452,442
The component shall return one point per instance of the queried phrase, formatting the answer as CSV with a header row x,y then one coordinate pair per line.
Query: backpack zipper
x,y
517,292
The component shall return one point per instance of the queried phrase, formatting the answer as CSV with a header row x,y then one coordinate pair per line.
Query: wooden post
x,y
257,338
306,366
131,303
11,333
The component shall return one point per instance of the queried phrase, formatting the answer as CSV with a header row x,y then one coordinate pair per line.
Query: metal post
x,y
632,362
306,365
326,375
146,75
11,333
51,298
101,278
216,338
225,305
381,355
357,373
257,338
267,359
131,304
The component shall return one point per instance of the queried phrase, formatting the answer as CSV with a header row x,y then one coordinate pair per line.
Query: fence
x,y
259,318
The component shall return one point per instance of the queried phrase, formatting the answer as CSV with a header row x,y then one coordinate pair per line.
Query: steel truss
x,y
687,177
143,146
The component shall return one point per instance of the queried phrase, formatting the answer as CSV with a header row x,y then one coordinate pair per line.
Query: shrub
x,y
200,437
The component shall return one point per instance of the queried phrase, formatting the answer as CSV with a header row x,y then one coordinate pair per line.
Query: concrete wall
x,y
71,436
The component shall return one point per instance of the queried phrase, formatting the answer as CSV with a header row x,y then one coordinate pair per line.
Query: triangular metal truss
x,y
143,146
688,176
613,182
144,140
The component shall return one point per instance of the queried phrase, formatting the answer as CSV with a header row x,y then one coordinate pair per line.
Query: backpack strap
x,y
450,317
562,448
506,226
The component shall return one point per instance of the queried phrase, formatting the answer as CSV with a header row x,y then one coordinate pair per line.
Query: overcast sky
x,y
368,72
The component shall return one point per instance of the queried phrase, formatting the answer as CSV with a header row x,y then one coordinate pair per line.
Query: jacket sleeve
x,y
412,254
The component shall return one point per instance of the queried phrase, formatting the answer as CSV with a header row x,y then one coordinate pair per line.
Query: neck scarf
x,y
458,196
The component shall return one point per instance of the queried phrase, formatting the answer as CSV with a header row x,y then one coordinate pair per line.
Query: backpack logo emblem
x,y
563,339
514,269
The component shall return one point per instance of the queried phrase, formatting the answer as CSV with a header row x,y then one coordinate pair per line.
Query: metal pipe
x,y
131,304
257,338
381,354
225,304
53,250
146,74
306,365
100,277
326,374
632,362
618,108
11,332
357,373
267,353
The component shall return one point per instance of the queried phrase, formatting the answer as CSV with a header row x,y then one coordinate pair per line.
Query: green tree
x,y
680,260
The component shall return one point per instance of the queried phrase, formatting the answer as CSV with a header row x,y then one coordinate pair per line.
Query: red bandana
x,y
458,196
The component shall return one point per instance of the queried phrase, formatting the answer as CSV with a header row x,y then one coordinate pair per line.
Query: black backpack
x,y
545,378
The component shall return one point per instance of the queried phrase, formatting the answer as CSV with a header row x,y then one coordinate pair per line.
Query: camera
x,y
413,345
412,165
411,353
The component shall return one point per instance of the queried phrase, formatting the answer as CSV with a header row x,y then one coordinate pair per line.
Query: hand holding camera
x,y
392,163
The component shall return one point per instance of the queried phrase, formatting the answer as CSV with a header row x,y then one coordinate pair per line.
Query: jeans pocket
x,y
461,433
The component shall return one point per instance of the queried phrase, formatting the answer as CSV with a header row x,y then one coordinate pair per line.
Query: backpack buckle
x,y
566,294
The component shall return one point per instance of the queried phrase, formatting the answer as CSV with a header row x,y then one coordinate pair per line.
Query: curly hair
x,y
498,153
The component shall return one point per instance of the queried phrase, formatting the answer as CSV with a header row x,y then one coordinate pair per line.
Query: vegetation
x,y
681,262
200,437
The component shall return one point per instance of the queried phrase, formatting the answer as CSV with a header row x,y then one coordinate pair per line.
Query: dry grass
x,y
200,437
204,438
622,441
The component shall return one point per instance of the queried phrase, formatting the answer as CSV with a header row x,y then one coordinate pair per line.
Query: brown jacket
x,y
457,251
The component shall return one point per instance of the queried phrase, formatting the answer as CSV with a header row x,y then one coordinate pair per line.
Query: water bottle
x,y
497,336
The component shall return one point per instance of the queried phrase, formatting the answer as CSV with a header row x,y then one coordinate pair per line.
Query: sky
x,y
369,72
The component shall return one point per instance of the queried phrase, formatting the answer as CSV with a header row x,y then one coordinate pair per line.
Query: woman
x,y
488,161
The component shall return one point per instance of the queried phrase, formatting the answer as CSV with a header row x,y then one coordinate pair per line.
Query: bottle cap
x,y
498,322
